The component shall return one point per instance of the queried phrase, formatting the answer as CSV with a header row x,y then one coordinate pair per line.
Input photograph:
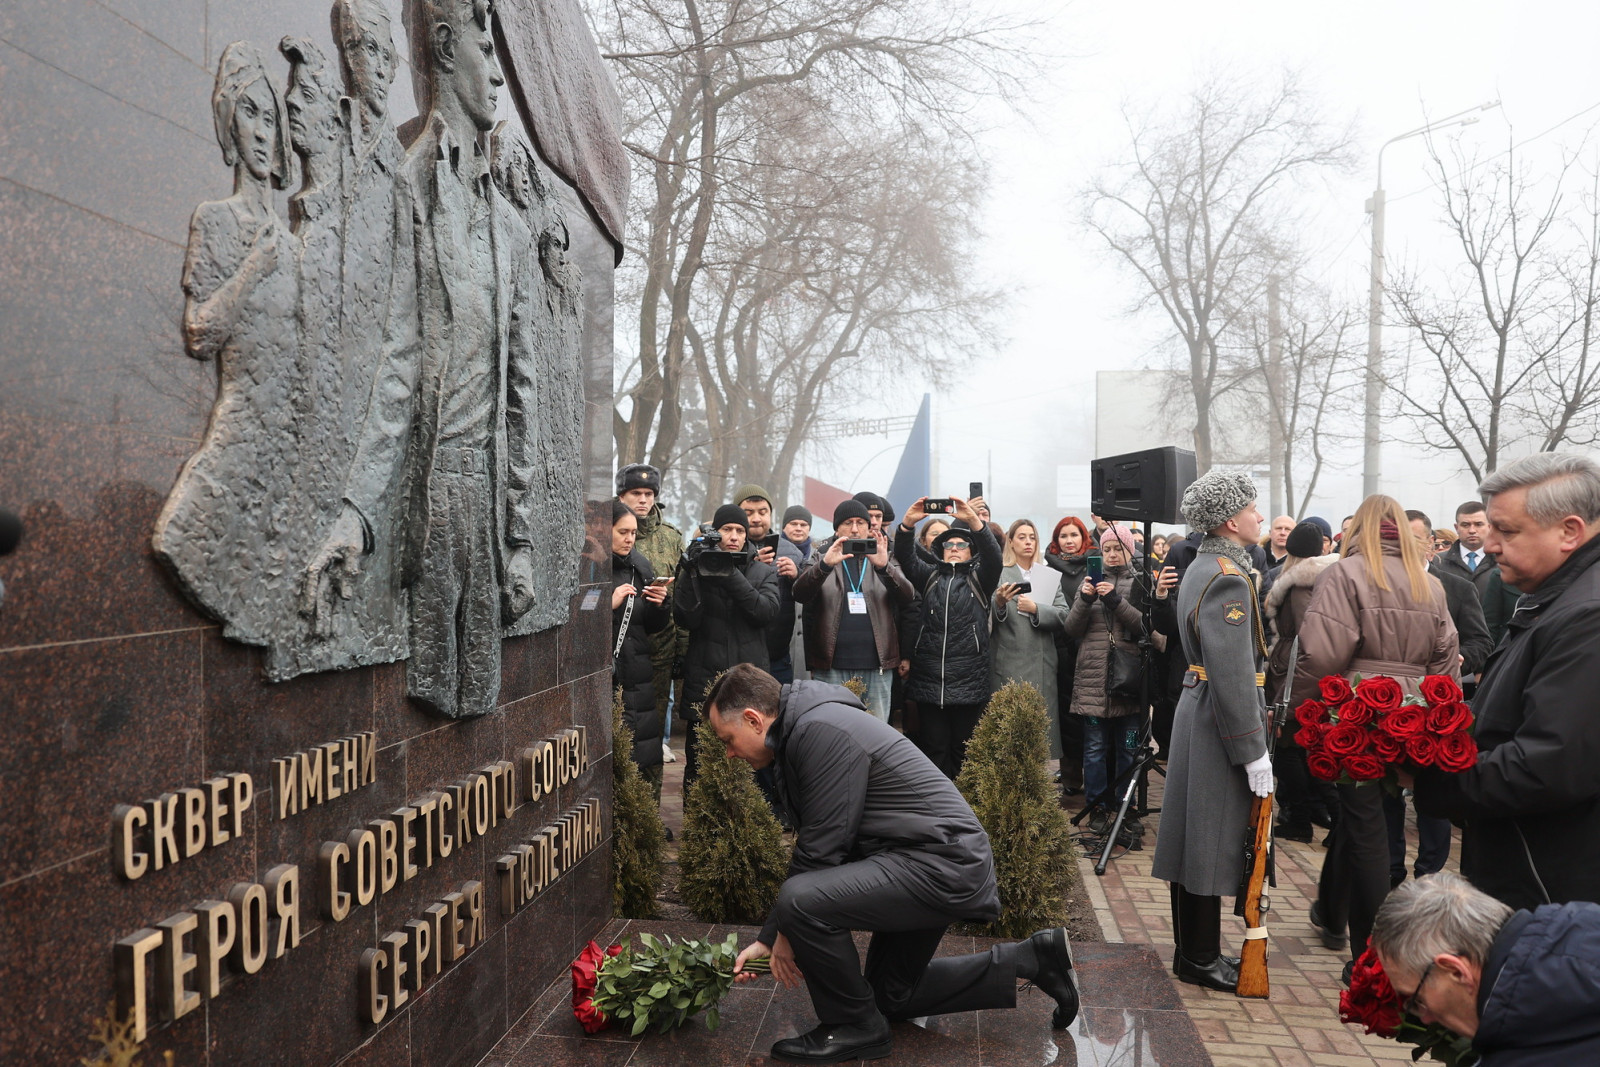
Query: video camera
x,y
707,556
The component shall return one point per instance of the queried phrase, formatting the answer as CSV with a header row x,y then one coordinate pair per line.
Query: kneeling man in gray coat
x,y
884,842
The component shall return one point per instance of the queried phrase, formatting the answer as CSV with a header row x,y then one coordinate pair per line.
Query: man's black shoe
x,y
1221,973
1332,939
1293,832
1053,955
835,1044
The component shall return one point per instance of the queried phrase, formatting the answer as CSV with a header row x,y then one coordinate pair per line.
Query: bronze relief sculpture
x,y
392,467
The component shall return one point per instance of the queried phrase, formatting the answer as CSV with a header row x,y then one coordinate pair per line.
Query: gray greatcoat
x,y
1022,648
1220,725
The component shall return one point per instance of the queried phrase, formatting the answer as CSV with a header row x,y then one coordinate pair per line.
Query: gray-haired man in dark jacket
x,y
884,842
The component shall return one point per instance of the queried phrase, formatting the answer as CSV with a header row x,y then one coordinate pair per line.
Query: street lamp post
x,y
1370,457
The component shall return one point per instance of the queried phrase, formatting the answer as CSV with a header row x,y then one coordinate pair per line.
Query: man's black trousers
x,y
817,911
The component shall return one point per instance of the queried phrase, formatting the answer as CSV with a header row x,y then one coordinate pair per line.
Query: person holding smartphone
x,y
1026,621
851,601
778,552
638,610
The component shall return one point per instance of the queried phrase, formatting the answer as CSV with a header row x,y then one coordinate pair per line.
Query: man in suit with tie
x,y
1466,558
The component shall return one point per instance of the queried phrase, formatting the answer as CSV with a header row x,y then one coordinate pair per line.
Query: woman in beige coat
x,y
1375,612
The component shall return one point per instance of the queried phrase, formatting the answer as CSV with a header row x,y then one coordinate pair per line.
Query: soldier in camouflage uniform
x,y
1219,739
660,542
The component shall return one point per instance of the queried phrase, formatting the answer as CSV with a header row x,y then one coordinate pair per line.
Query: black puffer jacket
x,y
1539,1000
950,662
631,669
727,621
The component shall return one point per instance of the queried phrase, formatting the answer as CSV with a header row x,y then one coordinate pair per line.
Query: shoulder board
x,y
1227,566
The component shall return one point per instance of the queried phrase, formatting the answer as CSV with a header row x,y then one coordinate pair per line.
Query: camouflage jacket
x,y
661,543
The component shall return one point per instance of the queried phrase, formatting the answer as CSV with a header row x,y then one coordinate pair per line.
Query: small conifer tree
x,y
732,859
637,834
1005,779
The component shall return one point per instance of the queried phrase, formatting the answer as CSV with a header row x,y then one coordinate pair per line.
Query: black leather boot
x,y
1197,935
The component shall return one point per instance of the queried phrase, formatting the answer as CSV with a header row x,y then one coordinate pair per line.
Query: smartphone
x,y
769,541
660,583
1024,587
974,489
1097,571
937,505
860,546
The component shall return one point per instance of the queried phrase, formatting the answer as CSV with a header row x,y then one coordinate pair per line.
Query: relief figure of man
x,y
453,417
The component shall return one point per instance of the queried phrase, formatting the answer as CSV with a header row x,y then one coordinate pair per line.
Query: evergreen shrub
x,y
638,837
732,859
1007,781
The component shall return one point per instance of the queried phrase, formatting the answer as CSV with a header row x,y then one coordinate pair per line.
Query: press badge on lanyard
x,y
855,599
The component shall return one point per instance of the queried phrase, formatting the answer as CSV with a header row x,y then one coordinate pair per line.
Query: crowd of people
x,y
1181,645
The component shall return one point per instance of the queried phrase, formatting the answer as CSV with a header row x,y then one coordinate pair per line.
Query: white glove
x,y
1259,773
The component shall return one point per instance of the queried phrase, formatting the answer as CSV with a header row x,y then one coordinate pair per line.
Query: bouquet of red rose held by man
x,y
1369,732
664,982
1372,1004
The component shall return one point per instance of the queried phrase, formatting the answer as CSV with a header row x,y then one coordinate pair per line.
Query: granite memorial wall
x,y
305,381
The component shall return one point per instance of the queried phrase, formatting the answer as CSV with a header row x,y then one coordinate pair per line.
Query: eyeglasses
x,y
1414,1003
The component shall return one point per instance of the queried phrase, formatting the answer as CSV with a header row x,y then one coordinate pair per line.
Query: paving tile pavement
x,y
1299,1022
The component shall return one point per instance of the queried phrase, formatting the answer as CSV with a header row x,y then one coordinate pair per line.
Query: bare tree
x,y
1503,352
707,83
1195,213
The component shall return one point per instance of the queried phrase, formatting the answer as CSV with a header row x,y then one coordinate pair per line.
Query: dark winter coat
x,y
857,787
822,589
1499,604
1461,597
950,664
1353,627
1452,563
781,630
1531,807
726,618
1094,624
631,669
1283,607
1539,999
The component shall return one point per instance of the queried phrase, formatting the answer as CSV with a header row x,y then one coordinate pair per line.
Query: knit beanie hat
x,y
1322,525
1305,541
849,509
1121,534
873,500
728,514
795,511
751,492
1215,497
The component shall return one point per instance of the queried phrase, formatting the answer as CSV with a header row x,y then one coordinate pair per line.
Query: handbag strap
x,y
622,631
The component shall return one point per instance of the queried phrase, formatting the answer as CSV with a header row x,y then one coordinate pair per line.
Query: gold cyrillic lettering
x,y
126,820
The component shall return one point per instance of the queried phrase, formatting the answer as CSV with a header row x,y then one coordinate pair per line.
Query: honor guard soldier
x,y
1219,752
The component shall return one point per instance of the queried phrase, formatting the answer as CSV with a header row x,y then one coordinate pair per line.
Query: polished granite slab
x,y
1131,1014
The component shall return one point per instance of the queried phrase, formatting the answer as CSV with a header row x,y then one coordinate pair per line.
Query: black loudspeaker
x,y
1141,486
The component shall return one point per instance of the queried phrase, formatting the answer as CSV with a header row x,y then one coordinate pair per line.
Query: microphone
x,y
10,531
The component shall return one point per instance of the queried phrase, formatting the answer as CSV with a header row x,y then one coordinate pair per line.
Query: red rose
x,y
1448,718
1322,766
1310,737
1387,748
1455,752
1383,694
1370,1001
1440,689
1344,739
585,972
1357,712
1363,767
1335,690
1311,713
1404,723
1420,749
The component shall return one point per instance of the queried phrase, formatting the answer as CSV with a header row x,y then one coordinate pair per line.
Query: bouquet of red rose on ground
x,y
1366,733
664,982
1372,1004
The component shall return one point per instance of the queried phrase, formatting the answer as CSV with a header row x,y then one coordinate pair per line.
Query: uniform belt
x,y
1200,673
461,460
